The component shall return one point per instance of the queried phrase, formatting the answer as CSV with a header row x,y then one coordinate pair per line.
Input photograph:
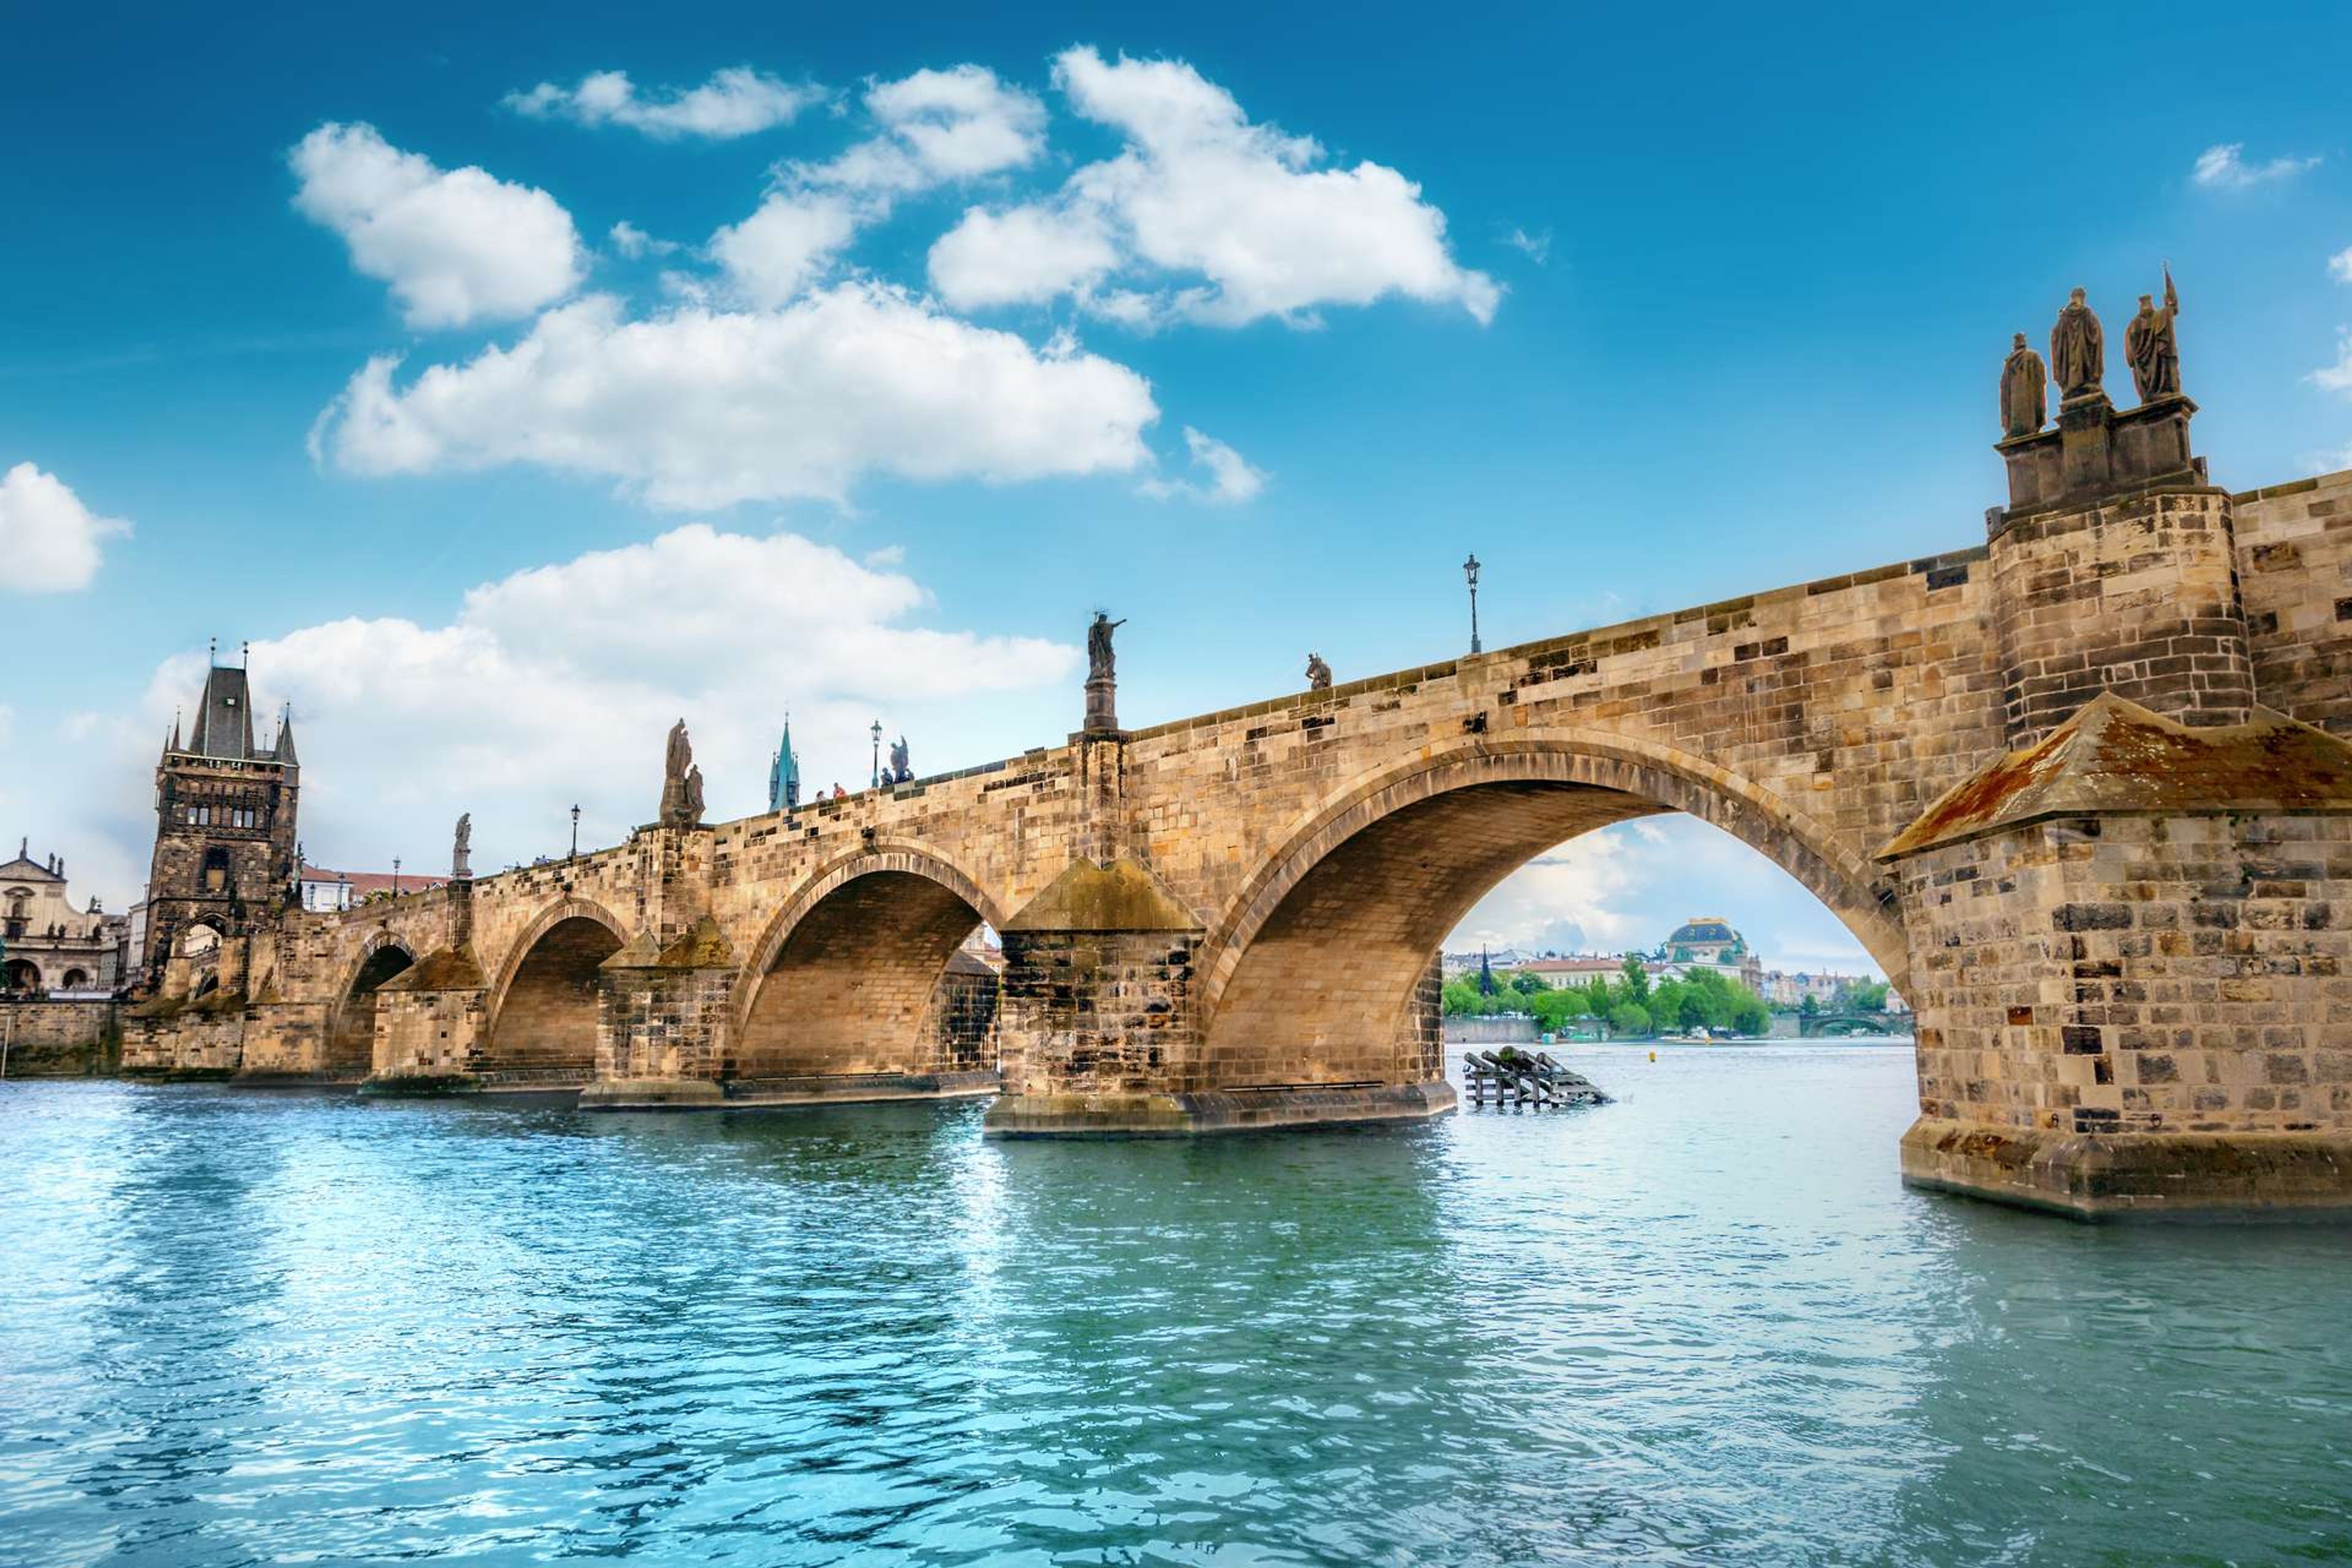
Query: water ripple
x,y
1703,1325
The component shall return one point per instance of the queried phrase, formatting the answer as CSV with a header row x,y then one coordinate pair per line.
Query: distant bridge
x,y
1851,1022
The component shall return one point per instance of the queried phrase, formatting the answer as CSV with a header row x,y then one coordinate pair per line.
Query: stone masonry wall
x,y
59,1038
2139,597
1095,1013
2294,564
663,1023
2182,975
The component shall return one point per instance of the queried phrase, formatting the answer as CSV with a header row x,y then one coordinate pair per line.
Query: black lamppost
x,y
1470,569
877,755
575,834
395,875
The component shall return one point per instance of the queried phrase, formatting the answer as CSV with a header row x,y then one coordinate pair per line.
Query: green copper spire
x,y
784,774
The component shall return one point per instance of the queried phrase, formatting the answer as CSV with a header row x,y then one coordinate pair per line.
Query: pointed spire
x,y
284,751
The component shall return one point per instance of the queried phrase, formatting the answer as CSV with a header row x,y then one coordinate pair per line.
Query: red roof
x,y
363,883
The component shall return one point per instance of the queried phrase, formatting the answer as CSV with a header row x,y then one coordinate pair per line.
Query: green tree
x,y
1629,1021
1462,999
1637,980
1808,1007
1750,1016
1528,984
1596,996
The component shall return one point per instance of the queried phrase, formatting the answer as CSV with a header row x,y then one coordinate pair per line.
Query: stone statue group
x,y
2078,349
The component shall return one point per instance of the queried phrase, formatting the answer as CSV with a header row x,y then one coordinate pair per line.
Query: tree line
x,y
1630,1003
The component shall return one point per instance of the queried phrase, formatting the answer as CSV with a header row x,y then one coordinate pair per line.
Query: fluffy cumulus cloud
x,y
782,248
557,684
2337,377
704,408
937,127
2339,266
49,542
1238,220
1227,476
456,245
738,101
1023,255
2223,167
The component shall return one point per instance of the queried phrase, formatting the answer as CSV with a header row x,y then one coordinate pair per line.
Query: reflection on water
x,y
1705,1323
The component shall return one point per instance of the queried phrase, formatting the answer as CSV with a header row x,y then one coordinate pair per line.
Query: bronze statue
x,y
901,771
2078,349
1099,654
2151,346
459,850
1319,674
2024,390
681,802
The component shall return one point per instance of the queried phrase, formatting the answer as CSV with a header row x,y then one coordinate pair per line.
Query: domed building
x,y
1710,942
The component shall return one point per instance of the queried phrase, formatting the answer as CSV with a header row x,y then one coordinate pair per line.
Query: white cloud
x,y
7,723
48,540
937,126
1231,480
2221,167
2337,377
456,246
702,408
2340,264
1201,191
634,242
1627,886
1026,254
558,684
1536,246
737,101
785,246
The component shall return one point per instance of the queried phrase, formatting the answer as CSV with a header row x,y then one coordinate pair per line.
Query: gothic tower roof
x,y
224,725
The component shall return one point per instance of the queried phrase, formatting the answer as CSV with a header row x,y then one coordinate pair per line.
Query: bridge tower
x,y
224,828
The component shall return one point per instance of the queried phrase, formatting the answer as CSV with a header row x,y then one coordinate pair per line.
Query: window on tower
x,y
215,870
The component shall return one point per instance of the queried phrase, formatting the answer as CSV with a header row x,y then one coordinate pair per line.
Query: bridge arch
x,y
847,978
542,1008
350,1028
1312,971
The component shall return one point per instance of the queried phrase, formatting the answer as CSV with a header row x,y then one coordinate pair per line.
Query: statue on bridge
x,y
2152,348
2078,349
681,802
462,848
2024,390
1102,681
1100,659
1319,674
902,770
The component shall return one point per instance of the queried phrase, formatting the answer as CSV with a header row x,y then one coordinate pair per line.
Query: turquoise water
x,y
1705,1324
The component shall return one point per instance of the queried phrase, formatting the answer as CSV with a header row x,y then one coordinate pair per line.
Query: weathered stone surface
x,y
2116,756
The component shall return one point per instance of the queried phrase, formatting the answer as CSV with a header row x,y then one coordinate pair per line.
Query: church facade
x,y
50,945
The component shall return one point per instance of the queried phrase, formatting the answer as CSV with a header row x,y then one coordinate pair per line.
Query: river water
x,y
1703,1324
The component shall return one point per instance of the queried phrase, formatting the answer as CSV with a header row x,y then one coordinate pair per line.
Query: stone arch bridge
x,y
2080,789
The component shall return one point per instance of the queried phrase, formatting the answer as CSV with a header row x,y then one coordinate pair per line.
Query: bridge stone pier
x,y
2082,789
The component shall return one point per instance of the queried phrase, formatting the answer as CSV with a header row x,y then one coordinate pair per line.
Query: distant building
x,y
1454,964
332,891
51,945
1708,941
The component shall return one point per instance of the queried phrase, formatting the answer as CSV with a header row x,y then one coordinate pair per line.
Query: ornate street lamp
x,y
877,755
1470,569
395,875
575,834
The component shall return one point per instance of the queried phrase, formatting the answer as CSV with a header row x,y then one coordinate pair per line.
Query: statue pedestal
x,y
2098,453
1102,704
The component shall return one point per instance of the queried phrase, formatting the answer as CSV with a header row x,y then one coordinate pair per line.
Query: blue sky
x,y
1260,325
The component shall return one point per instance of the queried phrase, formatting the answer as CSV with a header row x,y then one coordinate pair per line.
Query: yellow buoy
x,y
1654,1055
